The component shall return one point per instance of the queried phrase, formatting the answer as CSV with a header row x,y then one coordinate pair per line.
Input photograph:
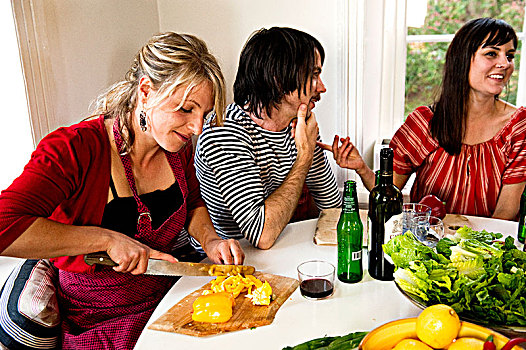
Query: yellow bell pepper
x,y
213,308
261,295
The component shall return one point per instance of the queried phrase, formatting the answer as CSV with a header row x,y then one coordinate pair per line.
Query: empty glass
x,y
411,211
428,230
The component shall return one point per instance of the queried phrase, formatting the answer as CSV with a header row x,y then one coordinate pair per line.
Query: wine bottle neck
x,y
386,167
386,179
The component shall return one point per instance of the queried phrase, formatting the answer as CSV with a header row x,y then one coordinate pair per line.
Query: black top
x,y
121,213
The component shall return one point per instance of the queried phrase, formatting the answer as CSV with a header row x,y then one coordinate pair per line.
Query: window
x,y
15,136
431,25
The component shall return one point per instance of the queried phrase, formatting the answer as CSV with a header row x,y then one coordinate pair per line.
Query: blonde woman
x,y
124,183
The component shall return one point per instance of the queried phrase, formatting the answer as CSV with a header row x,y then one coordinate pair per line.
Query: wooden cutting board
x,y
245,315
325,233
452,222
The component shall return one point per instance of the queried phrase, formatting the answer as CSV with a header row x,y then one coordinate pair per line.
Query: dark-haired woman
x,y
469,147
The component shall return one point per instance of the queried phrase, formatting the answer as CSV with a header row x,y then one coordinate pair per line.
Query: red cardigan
x,y
67,180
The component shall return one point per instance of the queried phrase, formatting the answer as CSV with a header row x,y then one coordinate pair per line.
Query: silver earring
x,y
142,120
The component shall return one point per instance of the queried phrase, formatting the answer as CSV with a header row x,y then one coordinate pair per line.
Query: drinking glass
x,y
428,231
316,279
411,211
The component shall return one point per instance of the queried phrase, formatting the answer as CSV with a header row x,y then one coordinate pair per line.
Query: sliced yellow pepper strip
x,y
259,292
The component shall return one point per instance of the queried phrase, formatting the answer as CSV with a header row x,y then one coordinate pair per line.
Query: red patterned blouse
x,y
470,182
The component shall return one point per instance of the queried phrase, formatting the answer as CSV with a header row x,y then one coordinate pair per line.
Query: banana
x,y
388,335
468,329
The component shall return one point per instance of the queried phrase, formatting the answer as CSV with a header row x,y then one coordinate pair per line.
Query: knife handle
x,y
100,258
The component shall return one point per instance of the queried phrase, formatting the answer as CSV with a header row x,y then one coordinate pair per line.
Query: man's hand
x,y
305,134
225,251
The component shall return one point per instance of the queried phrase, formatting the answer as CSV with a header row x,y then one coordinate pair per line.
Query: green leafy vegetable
x,y
443,247
348,341
481,278
481,236
472,268
406,248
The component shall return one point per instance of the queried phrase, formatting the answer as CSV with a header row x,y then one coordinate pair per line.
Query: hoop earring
x,y
142,120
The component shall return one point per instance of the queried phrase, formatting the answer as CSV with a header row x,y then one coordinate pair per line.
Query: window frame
x,y
34,53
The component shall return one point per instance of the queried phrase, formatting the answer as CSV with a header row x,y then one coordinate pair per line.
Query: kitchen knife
x,y
162,267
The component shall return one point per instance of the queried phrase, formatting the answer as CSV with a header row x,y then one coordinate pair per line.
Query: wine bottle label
x,y
357,255
393,227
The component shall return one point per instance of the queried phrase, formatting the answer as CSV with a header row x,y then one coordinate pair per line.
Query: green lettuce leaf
x,y
405,248
472,268
481,278
482,236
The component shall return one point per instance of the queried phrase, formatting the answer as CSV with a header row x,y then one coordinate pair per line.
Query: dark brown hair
x,y
274,62
448,124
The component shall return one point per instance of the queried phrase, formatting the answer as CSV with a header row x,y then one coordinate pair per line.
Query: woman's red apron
x,y
107,309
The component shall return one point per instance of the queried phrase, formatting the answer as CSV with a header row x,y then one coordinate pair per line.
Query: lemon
x,y
411,344
466,343
437,326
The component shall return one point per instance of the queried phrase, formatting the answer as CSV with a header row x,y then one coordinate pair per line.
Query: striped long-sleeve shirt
x,y
470,182
240,164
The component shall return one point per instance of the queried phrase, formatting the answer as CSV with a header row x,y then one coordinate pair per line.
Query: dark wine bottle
x,y
521,234
385,211
350,237
376,182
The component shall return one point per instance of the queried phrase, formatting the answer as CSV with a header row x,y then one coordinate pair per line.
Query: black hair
x,y
448,124
273,63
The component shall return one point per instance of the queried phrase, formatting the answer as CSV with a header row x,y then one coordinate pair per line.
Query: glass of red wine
x,y
316,279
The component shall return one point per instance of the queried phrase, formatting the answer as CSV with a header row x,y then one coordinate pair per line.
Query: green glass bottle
x,y
376,183
385,212
521,234
350,237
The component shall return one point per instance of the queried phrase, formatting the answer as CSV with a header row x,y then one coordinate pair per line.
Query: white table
x,y
7,264
353,307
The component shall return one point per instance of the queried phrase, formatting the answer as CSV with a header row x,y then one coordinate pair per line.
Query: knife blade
x,y
166,268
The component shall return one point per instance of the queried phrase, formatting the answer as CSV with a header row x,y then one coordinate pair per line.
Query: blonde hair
x,y
169,60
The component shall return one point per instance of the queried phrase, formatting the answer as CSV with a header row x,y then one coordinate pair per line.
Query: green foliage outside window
x,y
425,60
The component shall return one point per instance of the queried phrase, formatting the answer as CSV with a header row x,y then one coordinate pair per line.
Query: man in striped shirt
x,y
264,166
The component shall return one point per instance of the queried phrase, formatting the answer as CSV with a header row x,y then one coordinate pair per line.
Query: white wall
x,y
84,46
87,45
226,25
